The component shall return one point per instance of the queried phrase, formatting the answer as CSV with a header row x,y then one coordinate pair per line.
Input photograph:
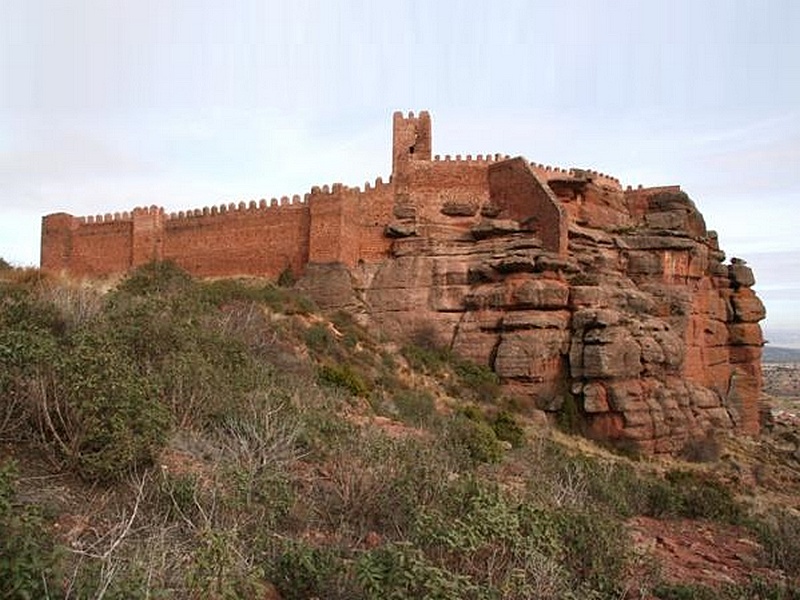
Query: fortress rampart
x,y
329,224
567,285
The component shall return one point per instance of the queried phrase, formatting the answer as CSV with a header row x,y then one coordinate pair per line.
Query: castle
x,y
571,288
329,224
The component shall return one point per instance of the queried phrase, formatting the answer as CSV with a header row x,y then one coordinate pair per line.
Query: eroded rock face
x,y
639,322
577,293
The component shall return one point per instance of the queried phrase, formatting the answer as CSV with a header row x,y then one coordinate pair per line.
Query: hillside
x,y
778,354
567,285
167,437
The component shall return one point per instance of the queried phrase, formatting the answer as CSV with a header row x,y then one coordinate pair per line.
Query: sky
x,y
110,104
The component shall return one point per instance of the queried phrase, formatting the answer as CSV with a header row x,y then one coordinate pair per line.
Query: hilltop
x,y
165,436
586,298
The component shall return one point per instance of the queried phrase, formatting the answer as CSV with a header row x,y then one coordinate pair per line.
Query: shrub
x,y
568,419
27,556
697,496
286,279
476,438
157,277
345,377
5,265
217,569
594,551
319,339
414,406
402,571
22,309
428,360
178,495
681,591
302,571
478,380
106,417
507,429
779,534
755,589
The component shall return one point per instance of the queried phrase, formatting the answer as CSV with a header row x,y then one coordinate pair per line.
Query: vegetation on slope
x,y
175,438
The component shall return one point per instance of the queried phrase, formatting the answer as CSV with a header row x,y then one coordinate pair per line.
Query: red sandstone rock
x,y
559,280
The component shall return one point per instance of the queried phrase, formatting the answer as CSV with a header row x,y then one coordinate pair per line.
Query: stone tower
x,y
411,141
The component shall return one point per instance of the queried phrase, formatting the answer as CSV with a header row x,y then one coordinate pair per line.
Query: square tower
x,y
411,140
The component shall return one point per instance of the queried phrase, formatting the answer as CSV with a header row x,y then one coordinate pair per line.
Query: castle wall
x,y
56,243
515,187
239,240
91,246
448,192
365,217
102,248
641,322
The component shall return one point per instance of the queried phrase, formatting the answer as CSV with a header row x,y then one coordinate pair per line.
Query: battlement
x,y
547,173
329,223
480,158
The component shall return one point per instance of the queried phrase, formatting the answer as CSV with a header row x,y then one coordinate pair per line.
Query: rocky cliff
x,y
634,320
583,297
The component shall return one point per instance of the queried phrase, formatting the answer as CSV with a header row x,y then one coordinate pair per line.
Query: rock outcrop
x,y
616,304
629,312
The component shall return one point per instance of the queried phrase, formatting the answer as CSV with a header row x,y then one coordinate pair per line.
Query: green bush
x,y
755,589
287,278
569,419
681,591
427,360
319,339
779,534
28,558
157,277
22,309
478,381
402,571
692,495
108,418
345,377
507,429
301,571
594,551
414,406
474,437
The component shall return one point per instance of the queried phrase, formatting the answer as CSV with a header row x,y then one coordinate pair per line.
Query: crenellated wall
x,y
571,288
329,224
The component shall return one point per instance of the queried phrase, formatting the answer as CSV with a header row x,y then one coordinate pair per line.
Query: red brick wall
x,y
326,218
56,244
431,185
514,186
244,241
91,246
101,248
364,219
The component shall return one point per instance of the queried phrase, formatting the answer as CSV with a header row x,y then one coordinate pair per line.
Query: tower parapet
x,y
411,140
